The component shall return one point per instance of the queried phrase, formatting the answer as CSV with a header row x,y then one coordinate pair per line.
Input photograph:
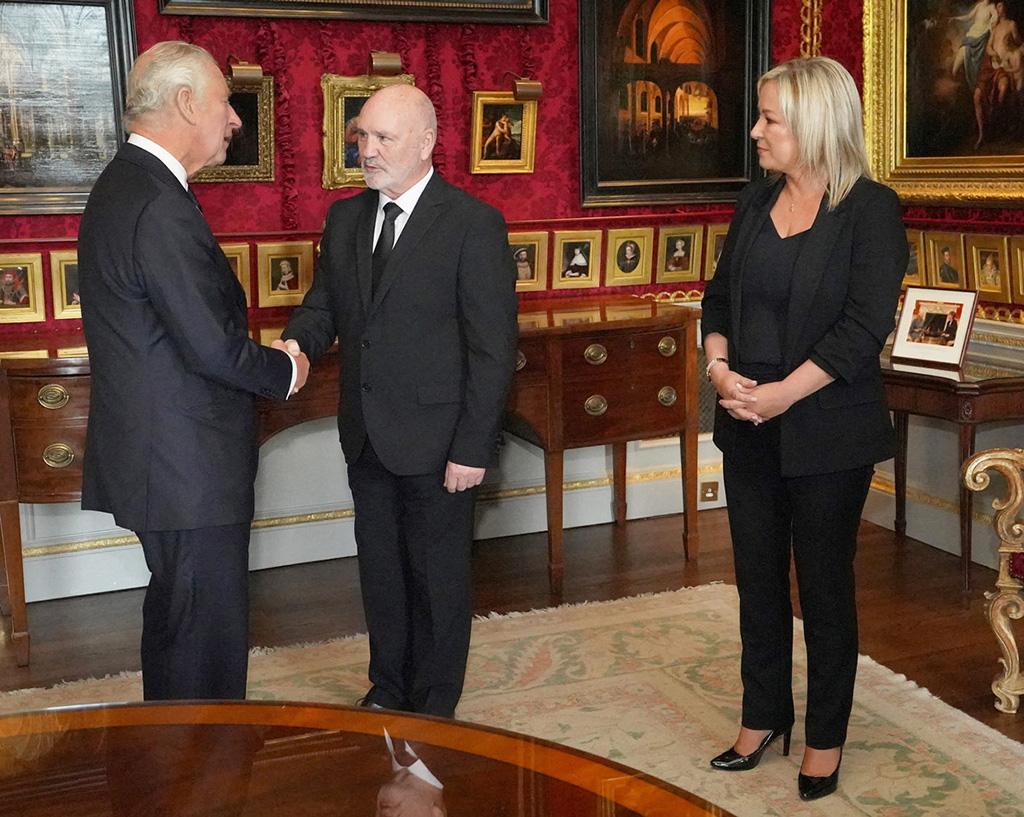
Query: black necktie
x,y
385,243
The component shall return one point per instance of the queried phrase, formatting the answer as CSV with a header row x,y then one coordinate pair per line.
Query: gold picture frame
x,y
21,288
343,99
284,272
1017,268
715,244
504,133
67,300
250,155
922,134
946,267
530,255
988,266
914,275
679,253
238,256
630,257
576,261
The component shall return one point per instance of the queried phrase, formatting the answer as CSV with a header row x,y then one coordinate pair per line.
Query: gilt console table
x,y
589,372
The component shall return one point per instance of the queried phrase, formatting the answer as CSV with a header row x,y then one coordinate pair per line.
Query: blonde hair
x,y
159,72
819,100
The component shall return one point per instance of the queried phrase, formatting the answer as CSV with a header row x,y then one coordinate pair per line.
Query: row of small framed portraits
x,y
991,265
633,256
284,273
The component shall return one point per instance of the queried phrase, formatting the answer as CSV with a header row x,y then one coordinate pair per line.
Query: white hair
x,y
821,105
159,73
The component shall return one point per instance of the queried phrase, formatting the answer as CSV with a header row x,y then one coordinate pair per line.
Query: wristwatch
x,y
711,365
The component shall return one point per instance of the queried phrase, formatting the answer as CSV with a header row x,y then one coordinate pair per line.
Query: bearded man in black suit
x,y
171,447
417,283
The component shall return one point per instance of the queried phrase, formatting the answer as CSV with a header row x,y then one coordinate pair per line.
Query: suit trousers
x,y
414,541
816,517
195,617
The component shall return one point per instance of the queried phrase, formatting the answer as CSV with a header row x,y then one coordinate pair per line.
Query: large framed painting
x,y
668,97
63,69
250,156
451,11
344,98
942,90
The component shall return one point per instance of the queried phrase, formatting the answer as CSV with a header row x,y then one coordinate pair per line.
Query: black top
x,y
766,289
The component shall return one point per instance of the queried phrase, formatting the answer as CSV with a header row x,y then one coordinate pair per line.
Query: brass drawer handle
x,y
520,360
667,346
58,455
667,395
596,405
53,396
595,354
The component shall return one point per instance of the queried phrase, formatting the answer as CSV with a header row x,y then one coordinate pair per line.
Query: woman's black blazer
x,y
842,305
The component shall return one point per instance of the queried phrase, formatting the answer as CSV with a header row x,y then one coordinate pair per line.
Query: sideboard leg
x,y
10,532
619,481
553,475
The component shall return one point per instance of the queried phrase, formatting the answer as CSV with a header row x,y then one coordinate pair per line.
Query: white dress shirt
x,y
407,201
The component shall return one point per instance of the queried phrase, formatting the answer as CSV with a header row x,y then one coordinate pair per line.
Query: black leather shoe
x,y
732,761
376,698
813,788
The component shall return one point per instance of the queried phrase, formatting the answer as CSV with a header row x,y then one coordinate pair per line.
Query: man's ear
x,y
427,143
185,102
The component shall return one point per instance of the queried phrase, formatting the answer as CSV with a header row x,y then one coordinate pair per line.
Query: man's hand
x,y
460,477
291,347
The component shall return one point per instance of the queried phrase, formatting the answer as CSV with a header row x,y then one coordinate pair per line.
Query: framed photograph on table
x,y
284,271
238,257
344,98
630,257
679,253
988,267
63,71
504,133
716,243
577,259
530,254
67,298
934,327
945,253
667,99
21,288
940,100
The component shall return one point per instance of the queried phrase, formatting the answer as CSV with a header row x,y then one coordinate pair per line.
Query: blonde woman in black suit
x,y
793,322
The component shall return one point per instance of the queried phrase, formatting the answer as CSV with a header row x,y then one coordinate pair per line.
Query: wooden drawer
x,y
33,446
626,354
47,400
531,360
632,409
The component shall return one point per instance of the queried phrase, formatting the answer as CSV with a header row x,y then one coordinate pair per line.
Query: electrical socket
x,y
709,491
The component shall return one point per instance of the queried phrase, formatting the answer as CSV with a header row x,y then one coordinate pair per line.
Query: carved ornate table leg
x,y
1006,602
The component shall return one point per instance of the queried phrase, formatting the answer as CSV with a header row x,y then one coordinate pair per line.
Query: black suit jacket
x,y
171,443
427,362
842,304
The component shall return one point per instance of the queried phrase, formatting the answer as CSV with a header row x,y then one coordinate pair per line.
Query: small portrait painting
x,y
988,262
14,288
72,296
577,259
21,288
945,260
988,272
237,255
67,297
502,131
284,274
679,253
716,243
530,257
629,256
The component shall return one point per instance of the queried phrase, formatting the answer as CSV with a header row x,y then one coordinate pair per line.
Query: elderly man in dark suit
x,y
416,281
171,448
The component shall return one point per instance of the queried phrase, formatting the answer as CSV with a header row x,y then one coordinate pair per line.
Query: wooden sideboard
x,y
982,391
589,372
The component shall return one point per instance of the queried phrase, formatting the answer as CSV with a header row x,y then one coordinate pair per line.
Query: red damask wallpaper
x,y
449,62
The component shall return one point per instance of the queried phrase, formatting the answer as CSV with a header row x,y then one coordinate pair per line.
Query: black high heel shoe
x,y
732,761
812,788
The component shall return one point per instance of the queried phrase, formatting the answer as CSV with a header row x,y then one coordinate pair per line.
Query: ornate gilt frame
x,y
266,255
62,310
35,309
527,138
539,241
643,237
239,252
695,233
962,179
263,170
336,90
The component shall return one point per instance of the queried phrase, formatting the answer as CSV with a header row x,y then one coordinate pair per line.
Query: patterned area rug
x,y
653,682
